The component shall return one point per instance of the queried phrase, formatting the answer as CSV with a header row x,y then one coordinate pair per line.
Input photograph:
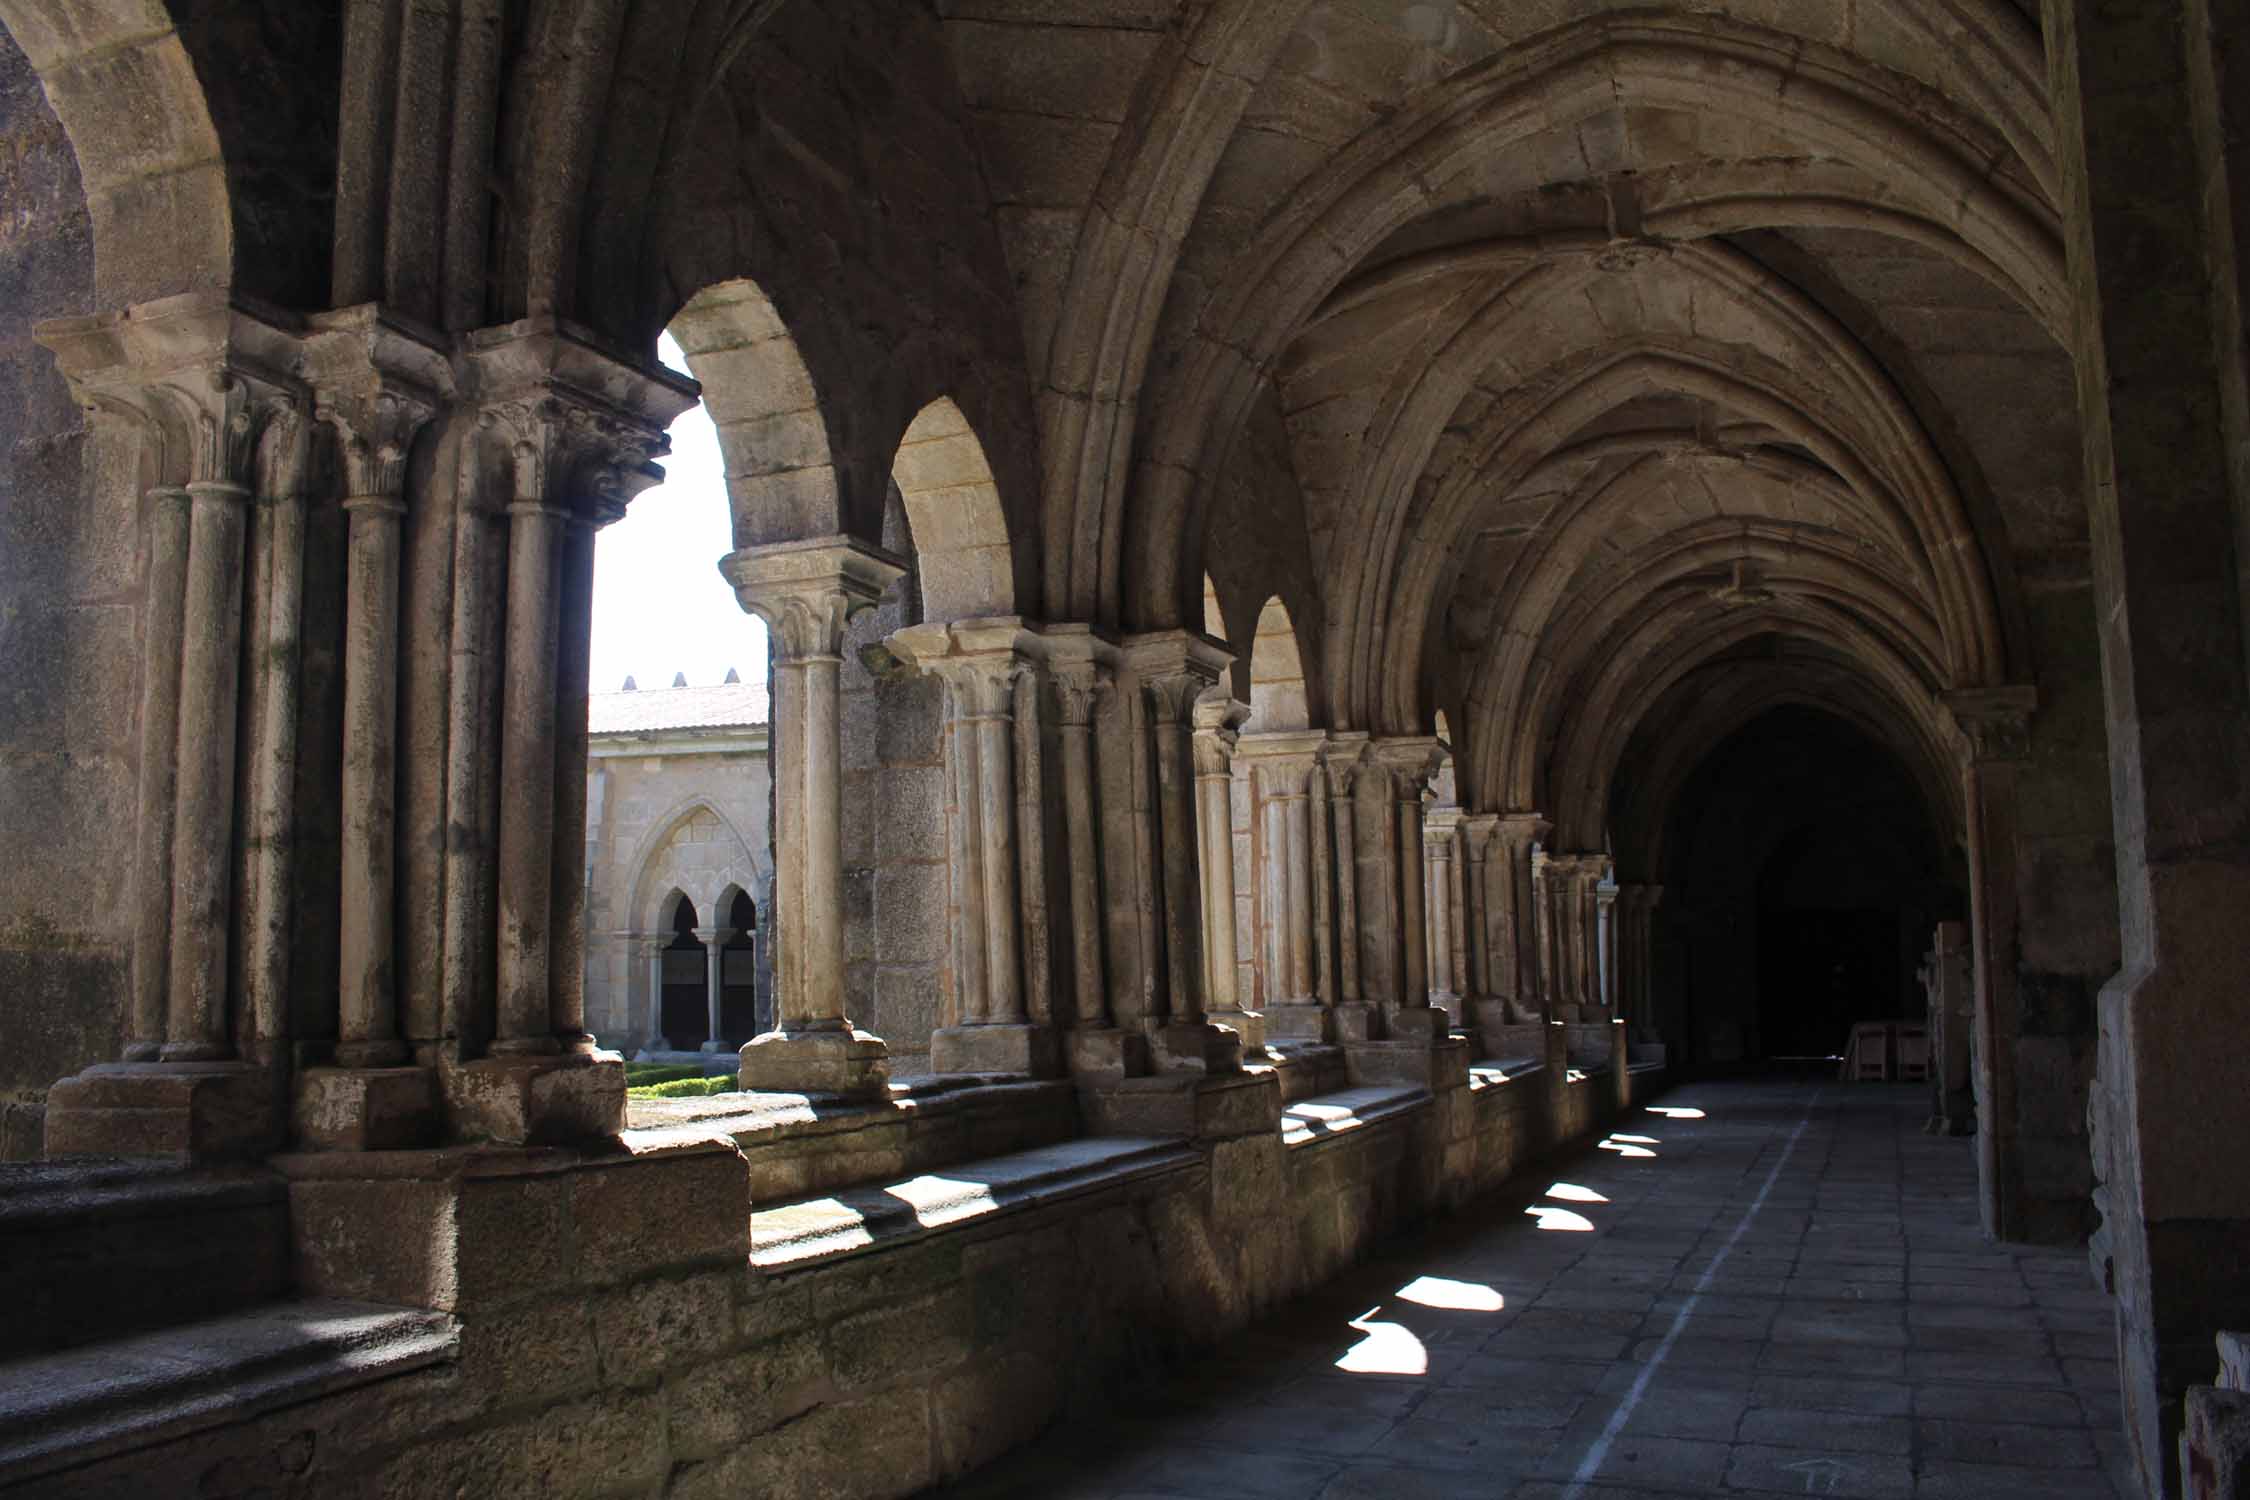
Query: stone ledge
x,y
1326,1116
64,1410
790,1236
1492,1072
797,1144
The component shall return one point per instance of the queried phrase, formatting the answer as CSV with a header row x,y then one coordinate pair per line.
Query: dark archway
x,y
1807,875
685,1011
738,972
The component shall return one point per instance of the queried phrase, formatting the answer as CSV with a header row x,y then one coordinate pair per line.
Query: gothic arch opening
x,y
683,1009
1804,872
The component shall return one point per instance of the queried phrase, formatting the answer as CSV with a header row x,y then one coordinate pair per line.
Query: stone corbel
x,y
1995,722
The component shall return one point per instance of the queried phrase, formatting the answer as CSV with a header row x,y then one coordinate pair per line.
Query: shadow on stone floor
x,y
1754,1286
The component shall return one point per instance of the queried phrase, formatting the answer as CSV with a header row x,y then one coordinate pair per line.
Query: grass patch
x,y
686,1088
641,1075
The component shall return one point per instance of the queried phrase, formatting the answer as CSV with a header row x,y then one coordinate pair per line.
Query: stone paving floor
x,y
1771,1287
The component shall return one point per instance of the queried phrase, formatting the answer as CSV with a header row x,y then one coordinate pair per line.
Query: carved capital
x,y
807,591
1080,671
377,381
583,424
1995,723
1341,760
1477,832
1410,761
1520,830
200,379
1174,669
1218,718
1282,761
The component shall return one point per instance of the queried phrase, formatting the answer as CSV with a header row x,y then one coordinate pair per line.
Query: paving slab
x,y
1789,1296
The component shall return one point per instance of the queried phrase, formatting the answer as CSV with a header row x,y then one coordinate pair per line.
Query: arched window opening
x,y
662,610
738,971
684,1015
1214,619
1277,674
962,561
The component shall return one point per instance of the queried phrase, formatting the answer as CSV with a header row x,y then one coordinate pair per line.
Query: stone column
x,y
270,858
1218,722
1404,766
164,546
805,591
1174,669
1341,761
200,1027
1605,920
982,663
714,981
1952,988
1547,891
201,386
657,1041
1995,729
527,762
1516,918
1483,869
1080,674
378,387
2147,106
1440,828
1283,769
569,430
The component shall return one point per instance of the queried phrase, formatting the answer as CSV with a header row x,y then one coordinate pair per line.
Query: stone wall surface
x,y
68,623
616,1341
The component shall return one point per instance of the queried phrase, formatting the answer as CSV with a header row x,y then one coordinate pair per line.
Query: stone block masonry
x,y
618,1337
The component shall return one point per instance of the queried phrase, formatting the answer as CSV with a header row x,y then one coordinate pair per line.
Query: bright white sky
x,y
660,606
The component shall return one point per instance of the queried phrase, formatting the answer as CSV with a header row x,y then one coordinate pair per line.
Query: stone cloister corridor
x,y
1767,1286
1353,592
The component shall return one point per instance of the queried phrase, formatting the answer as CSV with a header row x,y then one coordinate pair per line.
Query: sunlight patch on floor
x,y
1459,1296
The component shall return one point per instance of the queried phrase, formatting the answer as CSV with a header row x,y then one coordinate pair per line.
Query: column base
x,y
1195,1047
1005,1047
189,1111
1300,1021
1493,1017
1419,1023
1621,1066
1106,1053
852,1064
368,1109
1452,1004
1250,1025
1355,1021
1414,1063
537,1100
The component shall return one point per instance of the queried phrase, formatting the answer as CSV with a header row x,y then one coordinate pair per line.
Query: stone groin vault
x,y
1345,577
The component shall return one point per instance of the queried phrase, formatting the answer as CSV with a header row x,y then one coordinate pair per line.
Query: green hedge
x,y
687,1088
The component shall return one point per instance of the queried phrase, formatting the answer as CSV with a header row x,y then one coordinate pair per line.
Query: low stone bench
x,y
809,1230
73,1408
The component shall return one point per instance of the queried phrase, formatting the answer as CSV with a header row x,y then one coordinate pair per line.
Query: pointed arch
x,y
120,80
773,430
1277,674
693,848
962,556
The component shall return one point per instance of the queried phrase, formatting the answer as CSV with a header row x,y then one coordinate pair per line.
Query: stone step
x,y
97,1248
59,1411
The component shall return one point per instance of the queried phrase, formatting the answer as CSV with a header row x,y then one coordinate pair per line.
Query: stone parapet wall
x,y
616,1339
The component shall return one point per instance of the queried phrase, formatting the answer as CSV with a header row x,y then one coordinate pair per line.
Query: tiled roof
x,y
720,706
